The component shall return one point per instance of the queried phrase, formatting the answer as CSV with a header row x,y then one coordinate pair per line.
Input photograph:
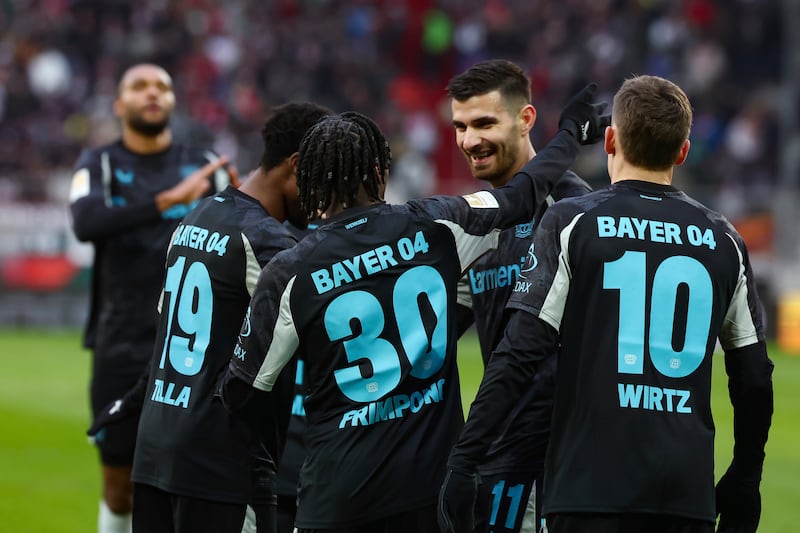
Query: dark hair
x,y
492,75
284,129
338,156
653,117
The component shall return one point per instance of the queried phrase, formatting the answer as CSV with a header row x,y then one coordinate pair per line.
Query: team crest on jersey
x,y
245,332
521,231
481,200
532,261
125,177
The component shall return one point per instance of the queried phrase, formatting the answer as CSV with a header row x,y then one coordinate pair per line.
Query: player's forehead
x,y
145,74
480,107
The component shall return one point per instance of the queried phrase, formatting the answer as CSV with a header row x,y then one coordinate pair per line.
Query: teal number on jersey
x,y
514,494
424,350
191,304
628,275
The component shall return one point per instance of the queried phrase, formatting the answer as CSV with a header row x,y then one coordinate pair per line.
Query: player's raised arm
x,y
580,123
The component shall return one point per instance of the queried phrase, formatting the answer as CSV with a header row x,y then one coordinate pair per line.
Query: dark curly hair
x,y
284,129
338,156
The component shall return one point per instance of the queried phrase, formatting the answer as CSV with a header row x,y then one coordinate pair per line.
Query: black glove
x,y
582,119
738,501
456,513
121,409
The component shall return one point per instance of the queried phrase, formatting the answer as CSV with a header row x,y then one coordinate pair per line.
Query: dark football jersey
x,y
112,201
187,443
491,280
368,302
294,453
640,280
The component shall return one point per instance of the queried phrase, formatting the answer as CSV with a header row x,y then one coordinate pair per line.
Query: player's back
x,y
372,296
669,269
187,442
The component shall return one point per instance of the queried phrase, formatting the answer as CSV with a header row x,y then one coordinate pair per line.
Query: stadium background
x,y
739,61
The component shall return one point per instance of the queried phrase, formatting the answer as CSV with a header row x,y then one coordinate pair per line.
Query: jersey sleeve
x,y
743,324
526,342
93,216
475,220
268,338
545,278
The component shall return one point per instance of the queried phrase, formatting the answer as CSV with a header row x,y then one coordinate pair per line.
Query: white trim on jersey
x,y
284,343
470,247
105,164
738,329
252,266
463,293
553,306
221,178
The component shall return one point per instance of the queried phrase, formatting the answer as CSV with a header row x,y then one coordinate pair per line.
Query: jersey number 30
x,y
424,349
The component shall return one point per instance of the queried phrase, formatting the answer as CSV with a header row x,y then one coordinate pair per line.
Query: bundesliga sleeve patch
x,y
481,200
80,185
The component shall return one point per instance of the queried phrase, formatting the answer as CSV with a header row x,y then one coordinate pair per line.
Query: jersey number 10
x,y
628,275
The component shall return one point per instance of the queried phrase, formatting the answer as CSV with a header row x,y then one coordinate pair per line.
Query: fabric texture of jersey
x,y
675,273
187,443
368,302
294,453
113,205
491,279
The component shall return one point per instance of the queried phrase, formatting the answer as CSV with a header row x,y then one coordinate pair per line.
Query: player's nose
x,y
471,139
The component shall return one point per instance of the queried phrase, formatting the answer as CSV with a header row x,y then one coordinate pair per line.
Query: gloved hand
x,y
456,513
738,501
581,117
120,409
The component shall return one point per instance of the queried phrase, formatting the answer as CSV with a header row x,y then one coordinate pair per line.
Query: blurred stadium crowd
x,y
60,61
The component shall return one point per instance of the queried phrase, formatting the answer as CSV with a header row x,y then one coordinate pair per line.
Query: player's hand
x,y
192,187
738,501
117,411
581,116
456,513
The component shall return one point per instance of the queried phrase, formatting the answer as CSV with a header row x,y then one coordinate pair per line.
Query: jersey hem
x,y
548,510
307,524
187,492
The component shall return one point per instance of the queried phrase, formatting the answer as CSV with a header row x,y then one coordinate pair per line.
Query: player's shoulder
x,y
193,152
93,156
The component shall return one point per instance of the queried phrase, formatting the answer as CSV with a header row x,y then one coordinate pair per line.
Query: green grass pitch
x,y
50,479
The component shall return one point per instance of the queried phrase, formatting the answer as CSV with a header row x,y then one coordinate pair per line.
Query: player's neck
x,y
266,188
146,144
630,172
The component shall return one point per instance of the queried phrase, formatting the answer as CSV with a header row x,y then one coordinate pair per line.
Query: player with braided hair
x,y
351,147
368,302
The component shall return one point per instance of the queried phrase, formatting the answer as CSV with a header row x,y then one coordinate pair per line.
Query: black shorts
x,y
116,441
509,502
624,523
158,511
421,520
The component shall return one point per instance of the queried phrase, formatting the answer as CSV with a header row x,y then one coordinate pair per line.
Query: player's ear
x,y
119,111
527,116
683,153
292,162
610,140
